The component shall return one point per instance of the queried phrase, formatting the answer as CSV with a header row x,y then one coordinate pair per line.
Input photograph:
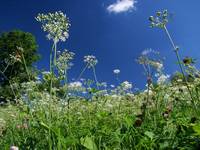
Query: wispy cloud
x,y
122,6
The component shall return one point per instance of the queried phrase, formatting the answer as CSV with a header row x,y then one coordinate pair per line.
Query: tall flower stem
x,y
179,62
66,92
80,75
117,78
95,76
51,68
6,68
26,68
55,53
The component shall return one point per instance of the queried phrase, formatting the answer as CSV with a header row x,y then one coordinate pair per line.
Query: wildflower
x,y
82,79
112,86
114,96
126,85
63,62
160,20
84,92
75,86
162,79
150,91
116,71
15,57
90,60
130,94
104,84
149,51
56,25
159,65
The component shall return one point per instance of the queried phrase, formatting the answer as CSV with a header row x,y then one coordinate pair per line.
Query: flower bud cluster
x,y
160,19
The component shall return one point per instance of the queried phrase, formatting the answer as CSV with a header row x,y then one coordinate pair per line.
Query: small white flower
x,y
84,92
104,84
56,25
116,71
90,60
114,96
75,84
159,66
126,85
162,79
130,94
112,86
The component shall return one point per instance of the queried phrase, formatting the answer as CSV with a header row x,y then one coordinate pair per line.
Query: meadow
x,y
46,111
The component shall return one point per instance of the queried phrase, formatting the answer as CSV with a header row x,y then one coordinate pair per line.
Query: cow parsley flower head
x,y
63,62
160,19
126,85
56,25
112,86
116,71
75,86
162,79
157,65
90,60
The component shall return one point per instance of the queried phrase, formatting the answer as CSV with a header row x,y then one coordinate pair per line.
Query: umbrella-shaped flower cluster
x,y
56,25
160,20
63,61
90,60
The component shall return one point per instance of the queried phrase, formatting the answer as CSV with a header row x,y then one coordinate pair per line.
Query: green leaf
x,y
89,143
149,134
196,129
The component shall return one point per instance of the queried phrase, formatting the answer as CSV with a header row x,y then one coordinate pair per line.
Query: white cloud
x,y
122,6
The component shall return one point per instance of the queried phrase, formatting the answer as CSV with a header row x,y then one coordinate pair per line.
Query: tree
x,y
18,51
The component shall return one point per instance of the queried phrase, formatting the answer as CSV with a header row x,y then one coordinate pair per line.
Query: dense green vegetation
x,y
52,113
18,51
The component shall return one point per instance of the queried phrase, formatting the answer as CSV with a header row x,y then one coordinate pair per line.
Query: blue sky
x,y
116,32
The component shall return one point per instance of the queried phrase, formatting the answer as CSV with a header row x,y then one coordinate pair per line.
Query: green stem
x,y
6,68
179,62
66,92
82,72
24,61
95,76
55,52
51,68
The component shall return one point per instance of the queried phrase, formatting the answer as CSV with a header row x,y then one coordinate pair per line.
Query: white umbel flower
x,y
162,79
56,25
90,60
116,71
75,85
126,85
